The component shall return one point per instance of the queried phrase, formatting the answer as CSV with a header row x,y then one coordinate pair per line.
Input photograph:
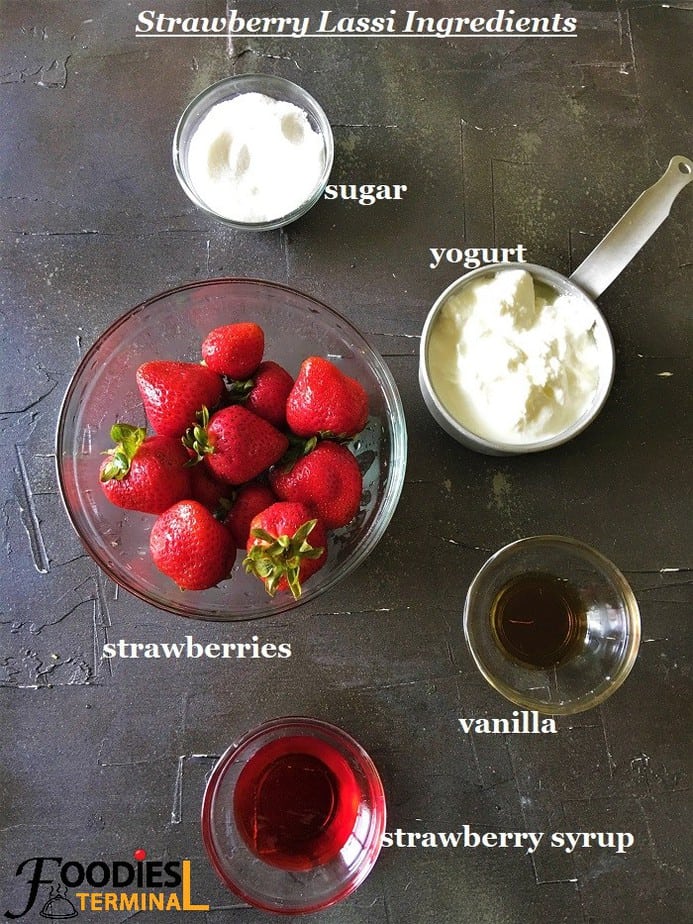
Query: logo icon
x,y
106,885
58,907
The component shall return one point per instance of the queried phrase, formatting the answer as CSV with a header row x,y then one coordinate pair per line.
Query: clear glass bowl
x,y
606,644
172,326
283,779
276,88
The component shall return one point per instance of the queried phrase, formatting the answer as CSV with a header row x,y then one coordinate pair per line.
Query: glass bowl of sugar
x,y
253,151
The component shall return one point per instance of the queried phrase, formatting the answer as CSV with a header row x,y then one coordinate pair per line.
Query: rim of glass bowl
x,y
339,739
604,565
468,437
247,83
396,469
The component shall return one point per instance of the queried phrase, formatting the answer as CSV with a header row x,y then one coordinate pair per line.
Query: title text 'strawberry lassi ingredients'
x,y
255,159
513,362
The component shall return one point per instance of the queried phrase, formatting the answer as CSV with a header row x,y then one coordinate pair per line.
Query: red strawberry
x,y
234,350
236,444
144,473
215,495
326,401
265,393
250,500
173,392
191,547
327,479
285,547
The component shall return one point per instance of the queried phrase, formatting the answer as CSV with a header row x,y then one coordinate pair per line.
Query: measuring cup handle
x,y
646,214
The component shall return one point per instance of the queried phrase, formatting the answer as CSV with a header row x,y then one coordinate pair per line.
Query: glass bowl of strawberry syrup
x,y
172,325
293,816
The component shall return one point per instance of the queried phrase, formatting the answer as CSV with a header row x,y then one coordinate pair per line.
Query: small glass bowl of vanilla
x,y
552,624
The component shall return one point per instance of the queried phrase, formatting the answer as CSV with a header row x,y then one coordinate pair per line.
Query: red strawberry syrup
x,y
296,803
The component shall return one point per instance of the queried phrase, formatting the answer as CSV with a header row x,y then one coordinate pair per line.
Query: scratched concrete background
x,y
544,143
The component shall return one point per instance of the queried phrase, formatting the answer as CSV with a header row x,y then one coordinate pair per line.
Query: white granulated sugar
x,y
255,159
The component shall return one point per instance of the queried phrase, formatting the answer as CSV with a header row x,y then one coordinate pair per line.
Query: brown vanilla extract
x,y
538,620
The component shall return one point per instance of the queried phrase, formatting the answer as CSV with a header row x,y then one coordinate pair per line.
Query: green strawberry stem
x,y
221,511
281,557
335,437
237,390
196,438
128,440
298,448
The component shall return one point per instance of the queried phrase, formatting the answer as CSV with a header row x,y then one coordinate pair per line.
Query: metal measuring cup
x,y
596,272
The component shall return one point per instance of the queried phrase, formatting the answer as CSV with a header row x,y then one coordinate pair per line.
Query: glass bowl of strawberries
x,y
230,449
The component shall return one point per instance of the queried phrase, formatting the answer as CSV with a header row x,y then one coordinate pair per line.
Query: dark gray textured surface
x,y
540,142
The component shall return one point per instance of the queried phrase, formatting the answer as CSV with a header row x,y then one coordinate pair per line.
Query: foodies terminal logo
x,y
59,889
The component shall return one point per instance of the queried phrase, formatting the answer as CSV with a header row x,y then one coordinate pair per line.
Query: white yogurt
x,y
511,365
255,159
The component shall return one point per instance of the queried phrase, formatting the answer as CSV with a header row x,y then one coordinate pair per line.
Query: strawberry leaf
x,y
221,511
298,448
302,533
237,390
195,438
277,557
128,440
